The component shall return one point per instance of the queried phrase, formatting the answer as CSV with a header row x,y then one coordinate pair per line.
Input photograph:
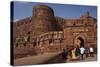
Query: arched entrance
x,y
80,41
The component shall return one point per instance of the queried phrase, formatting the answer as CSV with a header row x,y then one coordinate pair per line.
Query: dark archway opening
x,y
81,42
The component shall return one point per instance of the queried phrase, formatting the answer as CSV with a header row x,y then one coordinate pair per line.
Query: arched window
x,y
16,44
38,42
24,44
34,43
50,41
29,32
61,40
28,39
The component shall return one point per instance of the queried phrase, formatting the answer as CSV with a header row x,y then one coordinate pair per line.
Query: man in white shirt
x,y
91,51
82,50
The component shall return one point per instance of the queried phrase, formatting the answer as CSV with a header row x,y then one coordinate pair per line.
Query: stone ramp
x,y
33,60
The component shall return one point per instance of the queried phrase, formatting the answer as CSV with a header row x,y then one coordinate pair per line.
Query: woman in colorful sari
x,y
73,54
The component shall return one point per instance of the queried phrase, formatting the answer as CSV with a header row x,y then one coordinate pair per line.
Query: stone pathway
x,y
89,59
39,59
48,58
60,60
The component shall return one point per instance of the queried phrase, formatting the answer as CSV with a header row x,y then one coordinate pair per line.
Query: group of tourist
x,y
78,53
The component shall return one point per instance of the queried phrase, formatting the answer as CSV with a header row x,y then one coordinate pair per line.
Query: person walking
x,y
77,52
82,50
87,51
64,53
91,51
69,57
73,53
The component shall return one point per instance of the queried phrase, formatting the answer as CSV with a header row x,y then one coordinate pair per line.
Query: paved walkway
x,y
48,58
38,59
88,59
60,60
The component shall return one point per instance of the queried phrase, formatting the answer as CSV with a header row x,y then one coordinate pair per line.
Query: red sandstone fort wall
x,y
43,32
